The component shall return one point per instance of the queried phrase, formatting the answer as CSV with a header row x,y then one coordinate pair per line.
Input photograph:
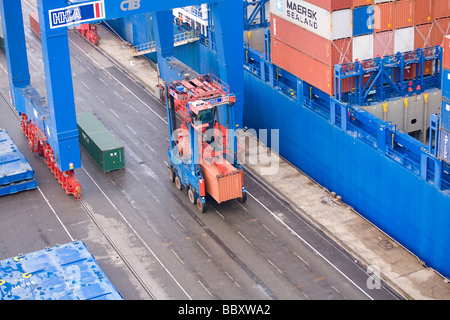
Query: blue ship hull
x,y
409,208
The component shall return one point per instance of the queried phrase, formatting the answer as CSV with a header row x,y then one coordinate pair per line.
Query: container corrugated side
x,y
404,39
446,84
384,16
222,187
310,70
363,47
404,14
445,115
383,44
341,24
363,20
423,35
358,3
326,51
99,143
446,57
332,5
34,23
424,11
441,28
441,9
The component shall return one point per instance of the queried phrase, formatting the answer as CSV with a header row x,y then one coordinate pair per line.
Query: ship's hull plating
x,y
412,211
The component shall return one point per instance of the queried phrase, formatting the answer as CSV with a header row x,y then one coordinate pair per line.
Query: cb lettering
x,y
129,5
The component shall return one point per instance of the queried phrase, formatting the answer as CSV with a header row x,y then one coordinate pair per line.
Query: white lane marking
x,y
100,100
269,230
137,235
132,93
310,246
84,84
205,287
114,113
275,266
176,255
131,129
181,225
209,255
232,279
243,237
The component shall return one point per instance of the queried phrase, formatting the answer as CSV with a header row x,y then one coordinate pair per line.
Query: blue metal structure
x,y
59,127
255,14
64,272
386,76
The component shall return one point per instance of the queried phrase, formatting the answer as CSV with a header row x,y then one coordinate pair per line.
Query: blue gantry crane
x,y
50,124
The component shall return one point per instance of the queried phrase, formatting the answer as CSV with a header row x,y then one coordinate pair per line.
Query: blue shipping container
x,y
446,84
363,20
65,272
445,115
13,165
444,145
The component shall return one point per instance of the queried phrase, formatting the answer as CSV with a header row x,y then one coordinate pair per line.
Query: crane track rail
x,y
118,251
95,221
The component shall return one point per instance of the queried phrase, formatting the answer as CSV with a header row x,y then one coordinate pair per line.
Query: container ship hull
x,y
397,200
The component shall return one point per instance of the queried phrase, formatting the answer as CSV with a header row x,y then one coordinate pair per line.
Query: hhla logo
x,y
279,5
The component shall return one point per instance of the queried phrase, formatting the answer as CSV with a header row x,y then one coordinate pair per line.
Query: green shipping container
x,y
101,145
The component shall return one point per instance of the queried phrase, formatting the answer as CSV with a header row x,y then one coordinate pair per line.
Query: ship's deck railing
x,y
387,76
400,147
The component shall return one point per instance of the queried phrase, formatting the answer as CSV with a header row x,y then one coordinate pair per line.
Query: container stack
x,y
444,135
322,33
16,174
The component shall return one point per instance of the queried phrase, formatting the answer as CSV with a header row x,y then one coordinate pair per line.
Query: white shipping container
x,y
341,25
381,1
404,40
363,47
314,19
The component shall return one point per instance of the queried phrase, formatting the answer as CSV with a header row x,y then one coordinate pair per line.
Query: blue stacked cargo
x,y
65,272
16,173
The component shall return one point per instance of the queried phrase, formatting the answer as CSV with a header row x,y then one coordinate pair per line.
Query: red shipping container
x,y
34,23
404,14
384,16
441,9
423,35
332,5
446,57
383,43
359,3
424,11
326,51
306,68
